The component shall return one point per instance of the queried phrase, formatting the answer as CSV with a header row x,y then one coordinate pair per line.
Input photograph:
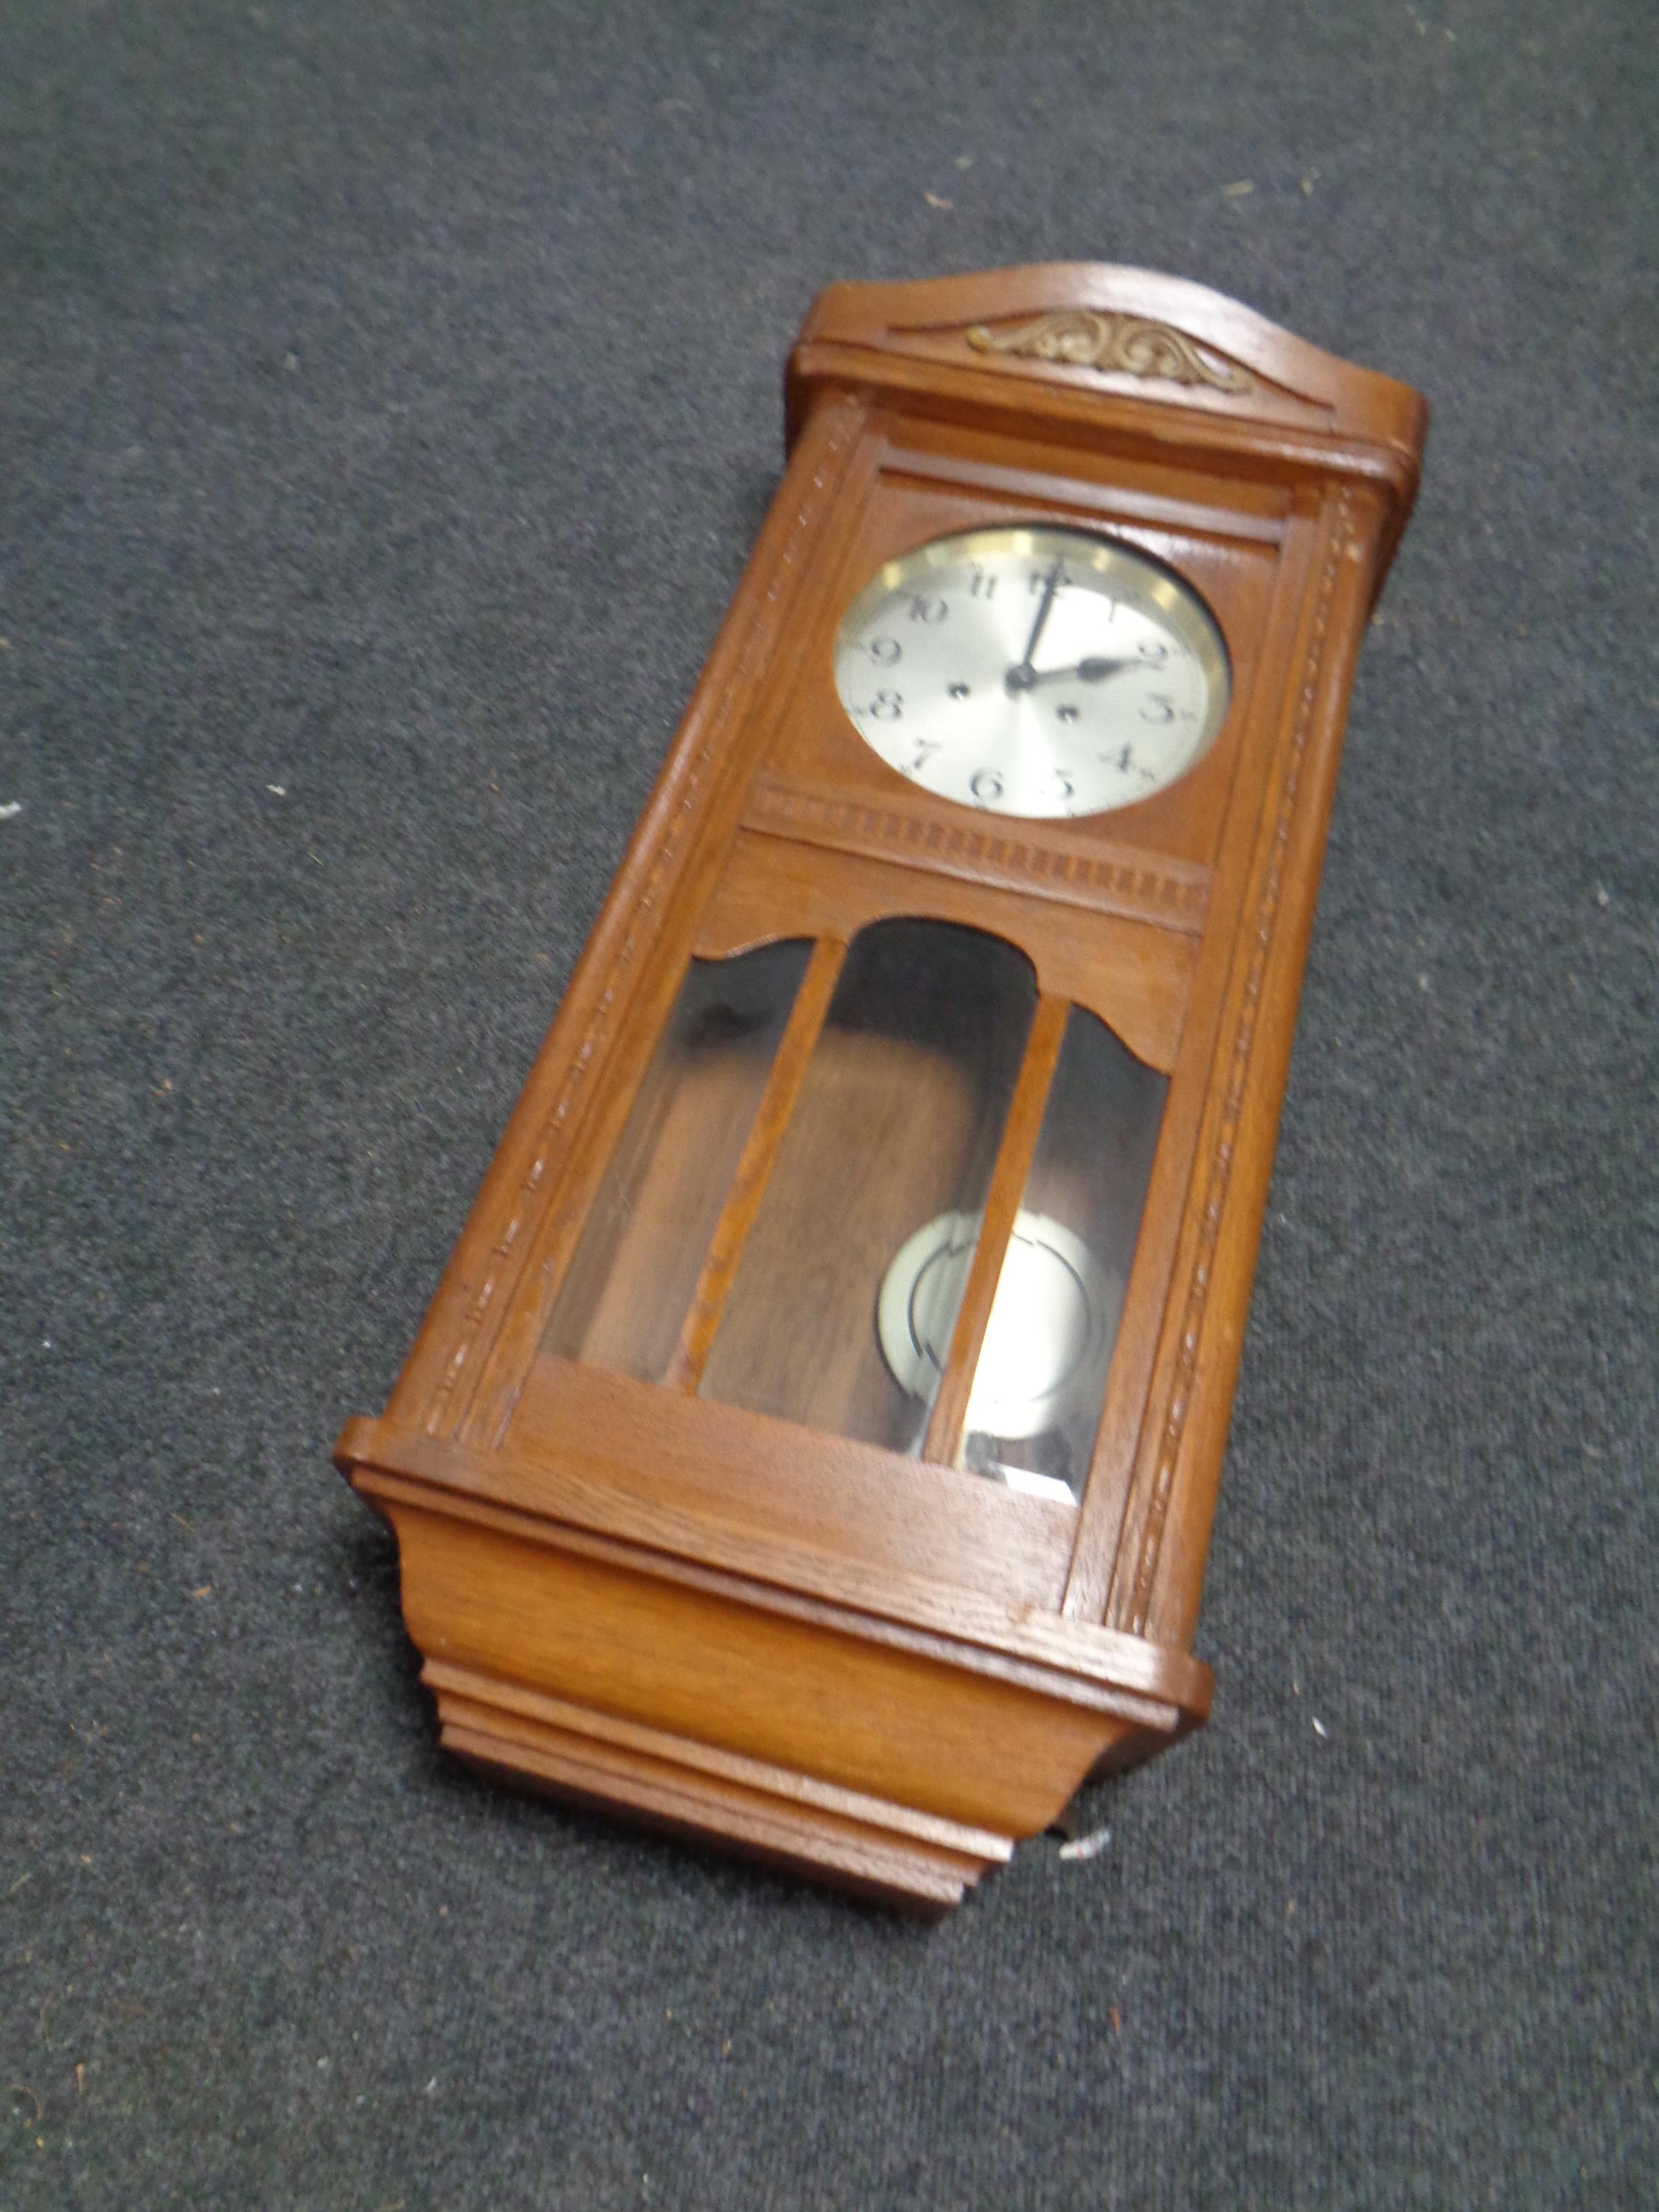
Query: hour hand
x,y
1091,670
1026,679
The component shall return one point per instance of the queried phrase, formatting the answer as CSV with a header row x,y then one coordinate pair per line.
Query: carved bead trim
x,y
1221,1160
553,1137
1118,884
1124,345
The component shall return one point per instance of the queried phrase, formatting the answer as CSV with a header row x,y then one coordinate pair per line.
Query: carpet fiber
x,y
391,394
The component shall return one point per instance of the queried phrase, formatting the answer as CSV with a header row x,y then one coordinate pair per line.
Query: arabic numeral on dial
x,y
924,609
885,651
1154,650
1066,788
886,707
926,748
1055,573
983,586
986,786
1159,707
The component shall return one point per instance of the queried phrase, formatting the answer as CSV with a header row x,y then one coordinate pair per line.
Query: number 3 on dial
x,y
1095,677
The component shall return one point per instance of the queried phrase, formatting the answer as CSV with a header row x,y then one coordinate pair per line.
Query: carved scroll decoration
x,y
1123,345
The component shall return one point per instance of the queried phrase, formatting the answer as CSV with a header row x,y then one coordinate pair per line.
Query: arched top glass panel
x,y
626,1293
897,1125
1039,1382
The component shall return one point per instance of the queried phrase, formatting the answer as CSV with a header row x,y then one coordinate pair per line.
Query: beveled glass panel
x,y
890,1145
636,1268
1040,1383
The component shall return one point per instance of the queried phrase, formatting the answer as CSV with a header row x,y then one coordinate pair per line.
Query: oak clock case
x,y
812,1445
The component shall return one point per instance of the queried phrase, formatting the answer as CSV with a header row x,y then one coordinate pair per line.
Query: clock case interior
x,y
660,1550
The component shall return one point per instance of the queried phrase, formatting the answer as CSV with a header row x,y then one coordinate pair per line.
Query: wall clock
x,y
813,1441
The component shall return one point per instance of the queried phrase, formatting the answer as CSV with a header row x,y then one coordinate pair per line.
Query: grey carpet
x,y
390,393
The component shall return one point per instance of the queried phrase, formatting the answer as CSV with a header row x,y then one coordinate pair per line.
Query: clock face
x,y
1034,672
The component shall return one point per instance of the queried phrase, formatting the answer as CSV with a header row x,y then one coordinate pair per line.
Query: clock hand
x,y
1025,678
1022,675
1087,671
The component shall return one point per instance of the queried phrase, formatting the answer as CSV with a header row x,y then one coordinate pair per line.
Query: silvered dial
x,y
1034,672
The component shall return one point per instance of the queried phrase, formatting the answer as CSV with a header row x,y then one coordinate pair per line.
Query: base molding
x,y
897,1743
868,1845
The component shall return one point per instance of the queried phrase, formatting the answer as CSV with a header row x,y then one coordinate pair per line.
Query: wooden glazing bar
x,y
777,1103
1008,1178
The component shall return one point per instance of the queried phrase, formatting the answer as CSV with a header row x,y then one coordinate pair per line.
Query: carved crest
x,y
1126,345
